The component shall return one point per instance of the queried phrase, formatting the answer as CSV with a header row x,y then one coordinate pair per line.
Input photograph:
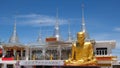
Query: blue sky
x,y
102,19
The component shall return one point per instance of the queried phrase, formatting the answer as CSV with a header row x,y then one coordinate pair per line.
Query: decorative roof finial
x,y
69,32
83,20
83,23
56,33
40,36
14,37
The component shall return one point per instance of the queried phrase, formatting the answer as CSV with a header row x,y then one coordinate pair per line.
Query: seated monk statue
x,y
51,57
82,52
33,57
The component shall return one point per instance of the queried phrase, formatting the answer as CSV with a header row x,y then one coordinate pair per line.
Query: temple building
x,y
53,51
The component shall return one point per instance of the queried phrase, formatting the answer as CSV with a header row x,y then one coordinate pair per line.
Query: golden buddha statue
x,y
34,57
82,52
18,57
51,57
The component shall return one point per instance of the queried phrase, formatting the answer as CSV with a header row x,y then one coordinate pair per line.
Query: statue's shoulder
x,y
88,43
74,44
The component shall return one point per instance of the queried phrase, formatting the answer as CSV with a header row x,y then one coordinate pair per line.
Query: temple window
x,y
101,51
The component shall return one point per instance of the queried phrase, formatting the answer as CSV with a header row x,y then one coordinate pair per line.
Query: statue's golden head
x,y
80,36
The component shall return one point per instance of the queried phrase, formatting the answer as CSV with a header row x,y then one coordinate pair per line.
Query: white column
x,y
59,48
4,65
98,52
21,54
4,53
14,51
104,52
27,53
109,50
43,51
30,53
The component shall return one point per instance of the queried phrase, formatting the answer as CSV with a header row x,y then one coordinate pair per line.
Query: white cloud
x,y
36,19
117,29
103,36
